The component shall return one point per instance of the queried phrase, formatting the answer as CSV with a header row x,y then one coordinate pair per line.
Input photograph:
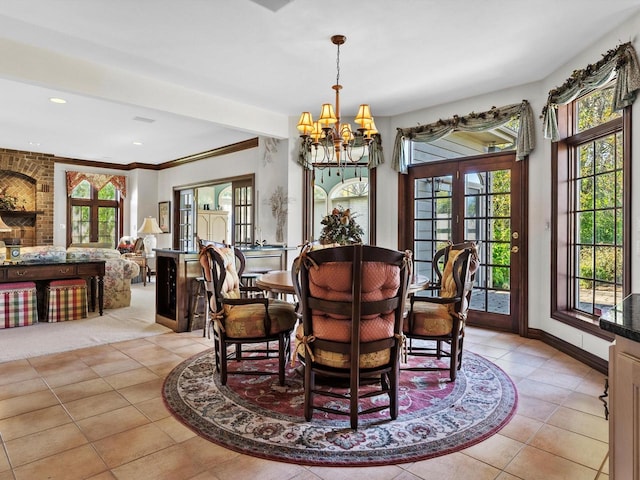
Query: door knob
x,y
515,249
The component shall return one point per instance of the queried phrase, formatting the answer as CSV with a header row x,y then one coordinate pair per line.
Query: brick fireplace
x,y
28,177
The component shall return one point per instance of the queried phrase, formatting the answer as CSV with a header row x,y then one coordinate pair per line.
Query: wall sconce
x,y
149,228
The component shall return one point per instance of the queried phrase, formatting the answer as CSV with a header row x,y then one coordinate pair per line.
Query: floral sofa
x,y
118,270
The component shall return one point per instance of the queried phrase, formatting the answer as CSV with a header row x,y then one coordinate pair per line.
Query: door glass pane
x,y
487,220
433,226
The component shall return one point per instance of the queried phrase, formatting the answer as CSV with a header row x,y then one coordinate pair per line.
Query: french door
x,y
473,199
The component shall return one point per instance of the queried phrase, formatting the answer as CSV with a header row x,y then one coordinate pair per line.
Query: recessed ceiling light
x,y
57,100
137,143
34,144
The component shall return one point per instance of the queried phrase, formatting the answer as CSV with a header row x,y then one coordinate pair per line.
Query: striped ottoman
x,y
18,304
66,300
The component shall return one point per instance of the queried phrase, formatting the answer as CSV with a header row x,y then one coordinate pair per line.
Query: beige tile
x,y
579,422
22,388
154,408
175,429
78,463
190,350
16,371
117,366
31,422
131,377
103,356
585,403
572,446
356,473
8,475
488,351
521,428
556,378
78,375
206,453
103,476
515,369
454,467
169,464
143,391
11,407
95,405
524,358
110,423
86,388
534,464
33,447
543,391
251,467
535,408
497,450
4,461
140,441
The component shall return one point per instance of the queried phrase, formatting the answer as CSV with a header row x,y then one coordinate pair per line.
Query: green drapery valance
x,y
474,122
622,59
376,157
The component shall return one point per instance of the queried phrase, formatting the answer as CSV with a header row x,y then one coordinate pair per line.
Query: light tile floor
x,y
97,413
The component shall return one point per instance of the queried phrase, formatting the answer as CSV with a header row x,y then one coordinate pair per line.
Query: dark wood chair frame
x,y
464,277
388,374
250,295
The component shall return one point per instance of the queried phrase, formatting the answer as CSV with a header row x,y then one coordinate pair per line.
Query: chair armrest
x,y
438,300
245,301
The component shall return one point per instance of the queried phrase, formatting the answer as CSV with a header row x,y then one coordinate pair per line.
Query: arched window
x,y
94,215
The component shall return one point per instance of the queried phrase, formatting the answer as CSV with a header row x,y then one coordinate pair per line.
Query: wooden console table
x,y
43,271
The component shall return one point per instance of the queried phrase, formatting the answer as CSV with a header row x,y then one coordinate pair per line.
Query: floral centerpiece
x,y
340,227
7,202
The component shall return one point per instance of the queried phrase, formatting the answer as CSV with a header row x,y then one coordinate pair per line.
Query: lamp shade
x,y
150,226
4,227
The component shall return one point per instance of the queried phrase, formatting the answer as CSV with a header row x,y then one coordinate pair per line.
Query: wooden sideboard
x,y
41,272
624,388
175,272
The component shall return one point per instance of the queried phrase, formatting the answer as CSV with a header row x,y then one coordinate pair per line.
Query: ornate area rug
x,y
256,416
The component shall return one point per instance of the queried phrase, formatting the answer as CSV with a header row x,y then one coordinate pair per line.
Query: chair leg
x,y
309,385
282,357
394,386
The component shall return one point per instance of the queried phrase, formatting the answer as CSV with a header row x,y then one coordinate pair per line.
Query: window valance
x,y
376,157
474,122
97,180
621,60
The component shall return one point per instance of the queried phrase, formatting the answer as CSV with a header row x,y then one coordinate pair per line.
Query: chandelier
x,y
328,141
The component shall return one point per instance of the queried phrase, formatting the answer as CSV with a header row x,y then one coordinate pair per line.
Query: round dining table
x,y
280,282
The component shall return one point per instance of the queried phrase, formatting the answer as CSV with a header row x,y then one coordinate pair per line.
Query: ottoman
x,y
66,300
18,304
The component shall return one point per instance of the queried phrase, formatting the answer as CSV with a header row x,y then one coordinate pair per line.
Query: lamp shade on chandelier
x,y
331,141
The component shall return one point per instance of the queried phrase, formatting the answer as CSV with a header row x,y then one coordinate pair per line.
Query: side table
x,y
141,260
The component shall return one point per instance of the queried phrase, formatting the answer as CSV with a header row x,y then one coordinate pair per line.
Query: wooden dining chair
x,y
351,306
243,316
434,325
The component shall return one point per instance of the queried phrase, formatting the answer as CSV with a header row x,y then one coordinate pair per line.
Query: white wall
x,y
539,236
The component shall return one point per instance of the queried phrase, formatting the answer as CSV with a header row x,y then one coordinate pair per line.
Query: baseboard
x,y
583,356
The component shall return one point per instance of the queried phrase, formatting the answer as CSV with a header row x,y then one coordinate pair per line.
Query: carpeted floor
x,y
255,416
115,325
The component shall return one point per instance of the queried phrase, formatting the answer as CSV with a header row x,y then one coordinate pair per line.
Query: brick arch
x,y
39,169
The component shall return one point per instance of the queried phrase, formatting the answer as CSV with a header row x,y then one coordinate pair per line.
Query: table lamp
x,y
149,228
3,228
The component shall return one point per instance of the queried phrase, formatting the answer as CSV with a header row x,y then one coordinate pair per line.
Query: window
x,y
94,215
591,218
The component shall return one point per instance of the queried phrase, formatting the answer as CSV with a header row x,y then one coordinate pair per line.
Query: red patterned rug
x,y
255,416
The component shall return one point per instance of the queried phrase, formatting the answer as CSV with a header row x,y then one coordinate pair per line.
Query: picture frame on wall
x,y
164,216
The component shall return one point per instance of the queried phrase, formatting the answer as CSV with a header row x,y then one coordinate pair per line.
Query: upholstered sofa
x,y
118,270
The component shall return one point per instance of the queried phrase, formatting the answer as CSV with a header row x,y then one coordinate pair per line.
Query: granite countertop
x,y
624,319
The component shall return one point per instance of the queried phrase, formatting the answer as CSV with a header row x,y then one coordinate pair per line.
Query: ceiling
x,y
187,76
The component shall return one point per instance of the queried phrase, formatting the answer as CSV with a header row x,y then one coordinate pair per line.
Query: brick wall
x,y
29,176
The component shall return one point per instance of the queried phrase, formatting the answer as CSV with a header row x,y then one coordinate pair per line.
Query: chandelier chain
x,y
338,66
